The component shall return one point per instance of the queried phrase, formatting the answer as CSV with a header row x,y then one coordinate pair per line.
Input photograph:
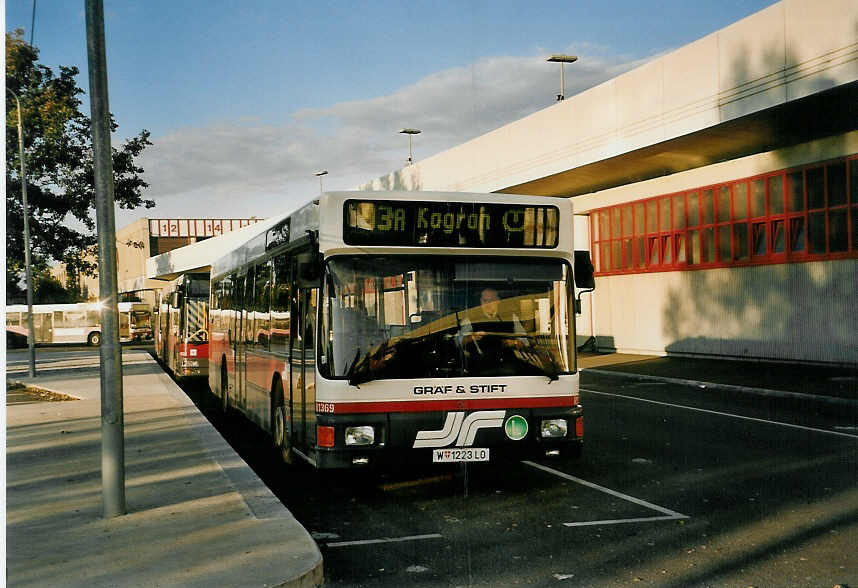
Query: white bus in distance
x,y
75,323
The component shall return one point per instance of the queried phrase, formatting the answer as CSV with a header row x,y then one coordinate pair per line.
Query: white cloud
x,y
239,169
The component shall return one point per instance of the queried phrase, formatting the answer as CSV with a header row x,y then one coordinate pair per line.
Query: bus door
x,y
304,367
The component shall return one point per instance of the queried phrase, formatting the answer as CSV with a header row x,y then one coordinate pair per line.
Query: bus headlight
x,y
554,428
360,435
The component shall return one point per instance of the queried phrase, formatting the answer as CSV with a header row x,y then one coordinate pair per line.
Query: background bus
x,y
355,332
75,323
181,326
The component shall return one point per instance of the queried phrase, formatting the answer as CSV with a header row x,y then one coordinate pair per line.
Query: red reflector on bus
x,y
324,436
579,427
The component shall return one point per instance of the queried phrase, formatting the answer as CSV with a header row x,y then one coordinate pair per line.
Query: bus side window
x,y
281,296
261,309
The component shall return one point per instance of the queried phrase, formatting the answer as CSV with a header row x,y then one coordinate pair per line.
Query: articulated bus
x,y
385,327
181,326
75,323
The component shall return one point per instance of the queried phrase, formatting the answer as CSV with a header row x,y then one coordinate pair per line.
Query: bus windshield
x,y
397,317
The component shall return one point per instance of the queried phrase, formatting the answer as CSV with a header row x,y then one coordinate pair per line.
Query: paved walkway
x,y
197,515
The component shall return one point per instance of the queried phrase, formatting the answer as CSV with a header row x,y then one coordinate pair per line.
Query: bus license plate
x,y
456,455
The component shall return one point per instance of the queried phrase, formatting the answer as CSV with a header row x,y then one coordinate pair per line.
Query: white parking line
x,y
385,540
669,514
620,521
726,414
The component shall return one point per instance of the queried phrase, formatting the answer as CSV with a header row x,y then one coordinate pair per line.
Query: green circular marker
x,y
516,427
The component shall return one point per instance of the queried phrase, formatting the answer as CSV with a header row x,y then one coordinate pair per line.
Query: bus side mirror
x,y
584,271
309,269
176,299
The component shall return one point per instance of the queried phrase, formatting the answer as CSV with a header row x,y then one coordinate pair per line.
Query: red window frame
x,y
804,213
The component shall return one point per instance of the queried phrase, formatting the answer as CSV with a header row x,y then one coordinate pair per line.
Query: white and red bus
x,y
181,326
376,327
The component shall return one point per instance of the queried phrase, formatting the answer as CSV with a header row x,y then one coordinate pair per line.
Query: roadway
x,y
678,486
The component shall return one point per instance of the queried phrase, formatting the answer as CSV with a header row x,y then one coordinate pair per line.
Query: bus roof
x,y
330,206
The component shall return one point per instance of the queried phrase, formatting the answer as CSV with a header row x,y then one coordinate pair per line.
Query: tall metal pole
x,y
112,422
31,334
562,59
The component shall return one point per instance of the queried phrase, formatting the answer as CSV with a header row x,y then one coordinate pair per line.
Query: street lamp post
x,y
561,59
410,133
31,334
324,172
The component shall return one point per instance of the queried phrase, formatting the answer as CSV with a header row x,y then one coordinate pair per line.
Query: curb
x,y
834,400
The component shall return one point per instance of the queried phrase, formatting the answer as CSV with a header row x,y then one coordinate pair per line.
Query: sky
x,y
246,100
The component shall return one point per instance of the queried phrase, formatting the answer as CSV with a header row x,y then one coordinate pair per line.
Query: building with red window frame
x,y
716,187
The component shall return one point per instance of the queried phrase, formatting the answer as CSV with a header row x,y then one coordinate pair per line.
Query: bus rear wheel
x,y
94,339
280,424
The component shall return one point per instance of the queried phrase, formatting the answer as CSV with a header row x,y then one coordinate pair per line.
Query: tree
x,y
59,165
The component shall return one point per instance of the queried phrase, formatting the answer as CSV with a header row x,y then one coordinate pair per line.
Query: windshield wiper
x,y
361,369
541,355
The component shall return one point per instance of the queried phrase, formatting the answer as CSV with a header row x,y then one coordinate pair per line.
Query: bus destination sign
x,y
450,224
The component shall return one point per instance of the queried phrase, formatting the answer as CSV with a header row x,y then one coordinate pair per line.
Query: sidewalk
x,y
832,385
197,515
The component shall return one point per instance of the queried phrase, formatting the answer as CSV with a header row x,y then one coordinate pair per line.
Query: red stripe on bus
x,y
441,405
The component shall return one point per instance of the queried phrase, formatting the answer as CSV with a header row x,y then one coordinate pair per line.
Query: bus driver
x,y
487,319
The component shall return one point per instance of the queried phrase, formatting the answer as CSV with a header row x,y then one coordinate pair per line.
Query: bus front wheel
x,y
280,424
94,339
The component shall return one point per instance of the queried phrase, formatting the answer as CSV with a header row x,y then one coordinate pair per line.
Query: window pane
x,y
853,184
740,201
776,195
706,208
758,197
778,239
855,227
796,234
816,232
652,243
616,257
604,227
815,188
694,251
615,222
596,258
679,211
667,250
652,216
627,221
640,245
627,254
758,232
605,257
724,243
724,203
740,234
693,214
836,183
594,224
664,214
708,245
639,218
681,252
795,197
838,230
